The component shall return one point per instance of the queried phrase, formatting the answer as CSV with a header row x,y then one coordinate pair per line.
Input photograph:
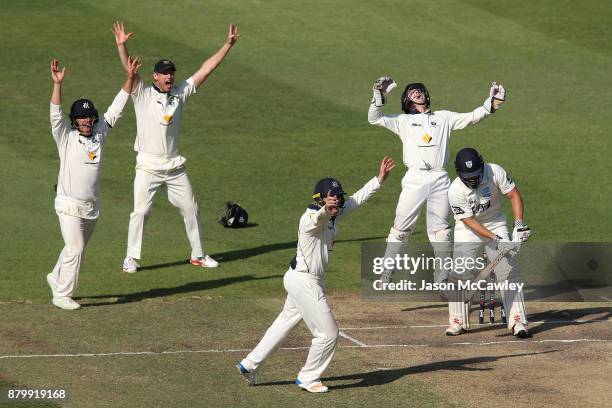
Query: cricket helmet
x,y
406,102
325,186
469,166
233,215
82,108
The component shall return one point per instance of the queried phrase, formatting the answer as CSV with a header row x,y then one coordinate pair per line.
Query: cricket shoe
x,y
66,303
455,328
316,387
520,330
204,262
249,376
52,284
130,265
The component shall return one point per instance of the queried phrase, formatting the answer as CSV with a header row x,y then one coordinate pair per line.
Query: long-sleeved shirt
x,y
317,232
81,156
425,136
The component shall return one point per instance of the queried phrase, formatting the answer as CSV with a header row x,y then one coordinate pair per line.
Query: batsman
x,y
475,198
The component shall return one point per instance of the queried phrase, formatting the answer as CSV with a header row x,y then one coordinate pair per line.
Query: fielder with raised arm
x,y
475,198
304,281
159,110
80,146
425,136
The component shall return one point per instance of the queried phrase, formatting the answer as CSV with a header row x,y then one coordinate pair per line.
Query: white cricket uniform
x,y
304,283
485,204
425,138
158,163
76,203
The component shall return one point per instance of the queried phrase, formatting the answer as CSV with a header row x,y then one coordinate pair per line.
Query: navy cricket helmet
x,y
325,186
407,102
469,166
82,108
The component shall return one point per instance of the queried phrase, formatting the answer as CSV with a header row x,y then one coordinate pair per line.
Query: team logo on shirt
x,y
427,138
457,210
167,120
91,155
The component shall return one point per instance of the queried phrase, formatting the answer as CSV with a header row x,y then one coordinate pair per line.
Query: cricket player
x,y
475,198
159,108
80,147
425,136
304,281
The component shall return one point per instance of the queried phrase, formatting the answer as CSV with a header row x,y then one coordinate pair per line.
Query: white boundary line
x,y
357,342
426,326
368,346
607,299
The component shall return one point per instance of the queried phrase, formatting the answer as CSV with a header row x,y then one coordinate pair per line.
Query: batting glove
x,y
382,87
521,232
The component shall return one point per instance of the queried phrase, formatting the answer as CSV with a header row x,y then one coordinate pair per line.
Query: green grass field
x,y
286,108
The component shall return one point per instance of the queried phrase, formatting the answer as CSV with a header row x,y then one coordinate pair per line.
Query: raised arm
x,y
497,96
213,62
362,195
59,125
382,87
58,78
121,39
114,111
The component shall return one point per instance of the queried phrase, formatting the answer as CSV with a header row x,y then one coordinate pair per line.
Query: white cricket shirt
x,y
317,232
158,117
483,202
80,156
425,136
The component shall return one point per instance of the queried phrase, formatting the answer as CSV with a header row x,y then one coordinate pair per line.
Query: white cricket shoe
x,y
130,265
66,303
315,387
520,330
455,328
249,376
52,284
204,262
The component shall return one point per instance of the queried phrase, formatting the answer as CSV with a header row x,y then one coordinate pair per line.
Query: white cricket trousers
x,y
180,195
76,232
470,245
305,300
420,187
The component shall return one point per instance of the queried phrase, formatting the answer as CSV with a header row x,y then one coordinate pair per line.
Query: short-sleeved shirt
x,y
483,202
80,156
425,136
158,117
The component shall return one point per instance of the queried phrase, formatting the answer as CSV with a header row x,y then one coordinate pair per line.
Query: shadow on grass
x,y
380,377
162,292
239,254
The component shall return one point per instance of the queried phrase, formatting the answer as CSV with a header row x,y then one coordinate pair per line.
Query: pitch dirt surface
x,y
181,352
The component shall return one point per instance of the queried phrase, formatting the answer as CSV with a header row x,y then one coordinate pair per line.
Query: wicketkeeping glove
x,y
381,88
497,96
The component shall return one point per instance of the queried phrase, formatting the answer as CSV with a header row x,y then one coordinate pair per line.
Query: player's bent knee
x,y
396,235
